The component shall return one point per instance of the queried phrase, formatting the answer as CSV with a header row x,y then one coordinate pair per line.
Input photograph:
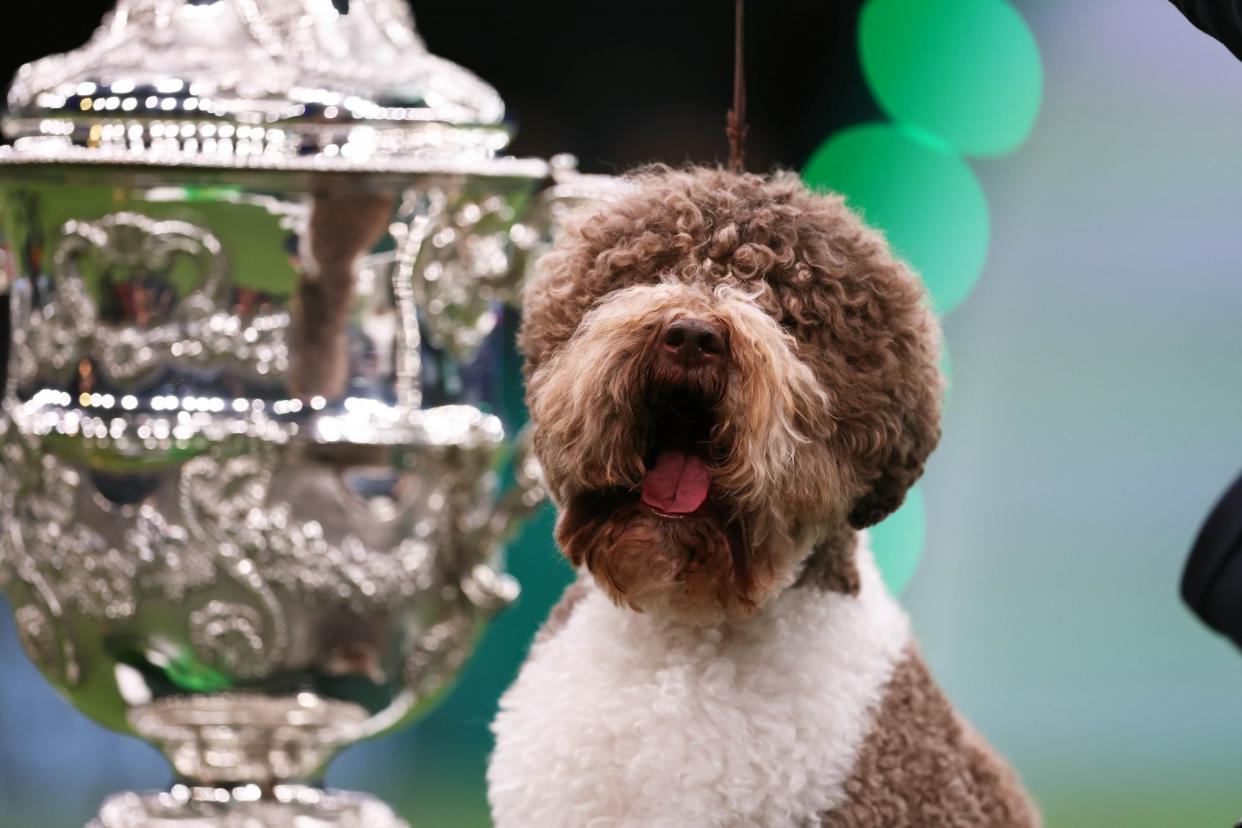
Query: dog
x,y
729,378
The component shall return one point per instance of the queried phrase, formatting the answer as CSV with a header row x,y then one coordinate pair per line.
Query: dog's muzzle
x,y
687,381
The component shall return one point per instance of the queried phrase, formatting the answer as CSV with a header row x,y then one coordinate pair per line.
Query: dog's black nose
x,y
694,342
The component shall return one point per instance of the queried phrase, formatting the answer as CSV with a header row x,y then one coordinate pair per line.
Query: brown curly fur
x,y
829,408
924,765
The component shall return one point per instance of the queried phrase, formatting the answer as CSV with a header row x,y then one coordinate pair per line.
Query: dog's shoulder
x,y
564,609
922,764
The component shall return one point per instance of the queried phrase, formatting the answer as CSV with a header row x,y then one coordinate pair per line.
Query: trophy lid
x,y
266,83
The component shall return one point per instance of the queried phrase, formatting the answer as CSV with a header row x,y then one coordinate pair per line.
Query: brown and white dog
x,y
729,378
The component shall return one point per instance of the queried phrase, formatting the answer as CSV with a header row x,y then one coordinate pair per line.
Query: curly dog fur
x,y
808,399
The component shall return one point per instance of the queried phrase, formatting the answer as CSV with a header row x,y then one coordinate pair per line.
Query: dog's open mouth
x,y
676,532
678,480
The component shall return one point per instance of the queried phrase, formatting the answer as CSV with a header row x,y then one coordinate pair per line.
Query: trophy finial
x,y
162,77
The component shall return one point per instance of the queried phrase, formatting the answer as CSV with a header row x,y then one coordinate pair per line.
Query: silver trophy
x,y
256,253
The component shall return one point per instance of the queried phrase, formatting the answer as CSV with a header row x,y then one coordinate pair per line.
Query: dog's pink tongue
x,y
677,484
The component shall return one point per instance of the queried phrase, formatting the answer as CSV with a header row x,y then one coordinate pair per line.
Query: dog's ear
x,y
913,429
874,343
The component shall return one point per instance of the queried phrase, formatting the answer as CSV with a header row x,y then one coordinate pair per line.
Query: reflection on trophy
x,y
249,446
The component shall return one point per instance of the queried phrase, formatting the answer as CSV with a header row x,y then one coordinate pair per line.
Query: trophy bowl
x,y
250,442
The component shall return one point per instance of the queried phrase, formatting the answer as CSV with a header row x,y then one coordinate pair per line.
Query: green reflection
x,y
925,199
897,541
188,673
968,71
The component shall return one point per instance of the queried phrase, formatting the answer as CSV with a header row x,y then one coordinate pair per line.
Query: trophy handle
x,y
570,189
522,499
486,585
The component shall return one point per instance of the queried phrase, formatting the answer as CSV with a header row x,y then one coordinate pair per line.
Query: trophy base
x,y
285,806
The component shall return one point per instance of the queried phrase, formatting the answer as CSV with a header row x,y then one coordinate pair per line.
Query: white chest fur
x,y
623,719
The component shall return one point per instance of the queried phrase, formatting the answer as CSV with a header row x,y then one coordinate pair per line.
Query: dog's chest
x,y
624,719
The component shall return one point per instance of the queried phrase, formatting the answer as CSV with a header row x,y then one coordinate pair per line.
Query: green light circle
x,y
897,541
926,200
967,71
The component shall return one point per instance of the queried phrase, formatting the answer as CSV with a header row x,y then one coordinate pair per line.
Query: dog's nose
x,y
694,341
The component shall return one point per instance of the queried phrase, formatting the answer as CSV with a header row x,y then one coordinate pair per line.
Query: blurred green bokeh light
x,y
924,197
897,541
968,71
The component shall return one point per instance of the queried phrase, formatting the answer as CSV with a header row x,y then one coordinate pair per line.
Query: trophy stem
x,y
248,740
247,761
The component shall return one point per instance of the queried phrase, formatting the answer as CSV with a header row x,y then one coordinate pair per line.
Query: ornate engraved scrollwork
x,y
38,607
458,268
230,636
47,545
440,652
172,563
144,319
46,643
227,499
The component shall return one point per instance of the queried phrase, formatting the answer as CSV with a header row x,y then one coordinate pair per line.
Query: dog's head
x,y
725,371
